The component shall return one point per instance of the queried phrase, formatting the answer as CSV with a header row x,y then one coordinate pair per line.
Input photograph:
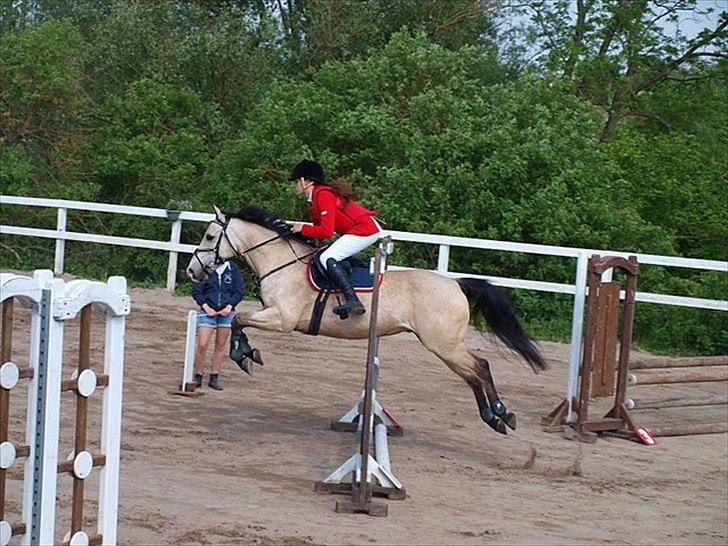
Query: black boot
x,y
241,351
198,380
339,277
214,382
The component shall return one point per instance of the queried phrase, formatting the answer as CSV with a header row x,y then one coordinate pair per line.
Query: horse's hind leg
x,y
486,413
498,407
469,368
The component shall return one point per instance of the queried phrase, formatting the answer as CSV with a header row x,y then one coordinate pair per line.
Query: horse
x,y
435,308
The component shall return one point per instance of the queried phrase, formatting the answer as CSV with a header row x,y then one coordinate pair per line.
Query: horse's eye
x,y
209,237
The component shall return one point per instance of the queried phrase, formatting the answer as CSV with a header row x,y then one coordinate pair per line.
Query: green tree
x,y
151,149
316,31
615,50
44,121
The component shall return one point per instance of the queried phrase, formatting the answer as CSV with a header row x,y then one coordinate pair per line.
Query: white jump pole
x,y
187,386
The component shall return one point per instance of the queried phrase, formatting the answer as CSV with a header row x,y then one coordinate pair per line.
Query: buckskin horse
x,y
433,307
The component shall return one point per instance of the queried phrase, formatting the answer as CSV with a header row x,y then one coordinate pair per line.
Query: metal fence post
x,y
577,321
60,241
47,407
173,216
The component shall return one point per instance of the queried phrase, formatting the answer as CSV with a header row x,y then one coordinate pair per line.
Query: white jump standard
x,y
187,386
373,421
53,303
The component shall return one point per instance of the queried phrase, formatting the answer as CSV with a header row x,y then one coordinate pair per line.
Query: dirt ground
x,y
238,466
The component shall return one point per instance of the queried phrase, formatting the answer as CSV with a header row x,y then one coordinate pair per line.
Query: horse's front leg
x,y
267,319
271,319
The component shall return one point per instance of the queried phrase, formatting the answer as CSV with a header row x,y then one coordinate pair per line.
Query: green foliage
x,y
184,104
45,112
153,146
614,52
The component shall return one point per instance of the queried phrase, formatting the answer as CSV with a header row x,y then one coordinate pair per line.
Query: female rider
x,y
334,210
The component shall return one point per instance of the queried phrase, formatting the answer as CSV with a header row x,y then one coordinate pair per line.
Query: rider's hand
x,y
281,226
225,311
296,227
209,310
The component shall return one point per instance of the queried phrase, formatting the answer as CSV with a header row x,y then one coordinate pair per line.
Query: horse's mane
x,y
268,220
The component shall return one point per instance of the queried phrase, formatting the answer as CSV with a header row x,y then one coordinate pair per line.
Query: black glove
x,y
281,227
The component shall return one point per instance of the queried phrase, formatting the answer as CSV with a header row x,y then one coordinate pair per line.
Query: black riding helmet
x,y
308,169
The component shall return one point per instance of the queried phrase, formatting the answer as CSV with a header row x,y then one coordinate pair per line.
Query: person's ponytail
x,y
343,190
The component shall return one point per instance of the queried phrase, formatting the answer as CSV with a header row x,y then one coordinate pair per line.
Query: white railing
x,y
578,289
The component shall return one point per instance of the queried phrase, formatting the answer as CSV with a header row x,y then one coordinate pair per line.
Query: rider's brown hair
x,y
342,189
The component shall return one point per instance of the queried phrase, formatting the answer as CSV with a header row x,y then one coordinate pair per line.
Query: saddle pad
x,y
362,280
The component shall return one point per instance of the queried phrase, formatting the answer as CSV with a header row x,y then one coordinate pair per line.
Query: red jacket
x,y
330,216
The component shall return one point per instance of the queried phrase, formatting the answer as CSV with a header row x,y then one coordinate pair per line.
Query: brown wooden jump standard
x,y
598,367
597,372
84,363
52,302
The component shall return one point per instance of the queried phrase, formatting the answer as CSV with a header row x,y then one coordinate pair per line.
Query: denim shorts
x,y
206,321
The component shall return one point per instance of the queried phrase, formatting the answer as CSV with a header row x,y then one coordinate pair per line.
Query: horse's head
x,y
238,235
215,248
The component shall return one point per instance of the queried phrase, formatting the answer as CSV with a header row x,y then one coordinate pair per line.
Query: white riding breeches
x,y
348,245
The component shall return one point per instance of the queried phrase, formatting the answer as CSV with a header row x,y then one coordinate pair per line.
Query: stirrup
x,y
354,307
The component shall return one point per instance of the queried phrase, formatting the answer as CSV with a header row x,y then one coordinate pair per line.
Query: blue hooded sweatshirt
x,y
220,290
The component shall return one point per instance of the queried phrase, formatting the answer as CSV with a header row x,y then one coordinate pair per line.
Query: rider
x,y
334,210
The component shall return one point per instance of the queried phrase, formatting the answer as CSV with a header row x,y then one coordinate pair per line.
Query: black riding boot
x,y
241,351
343,282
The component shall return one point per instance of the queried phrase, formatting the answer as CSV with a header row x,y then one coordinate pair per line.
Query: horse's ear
x,y
218,214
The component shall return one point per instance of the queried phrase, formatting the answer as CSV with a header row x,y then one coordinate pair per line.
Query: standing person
x,y
217,298
333,210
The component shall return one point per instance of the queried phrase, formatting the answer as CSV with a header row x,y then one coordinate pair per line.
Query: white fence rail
x,y
578,289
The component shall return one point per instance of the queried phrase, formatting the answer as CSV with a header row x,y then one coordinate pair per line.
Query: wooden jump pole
x,y
690,429
702,375
685,362
664,371
661,403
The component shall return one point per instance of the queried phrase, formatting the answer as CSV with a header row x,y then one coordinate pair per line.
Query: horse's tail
x,y
501,318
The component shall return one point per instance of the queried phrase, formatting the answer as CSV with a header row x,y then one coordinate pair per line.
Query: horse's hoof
x,y
246,365
492,421
498,426
343,314
510,420
255,356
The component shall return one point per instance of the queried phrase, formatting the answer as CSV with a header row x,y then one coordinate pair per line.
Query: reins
x,y
218,260
296,259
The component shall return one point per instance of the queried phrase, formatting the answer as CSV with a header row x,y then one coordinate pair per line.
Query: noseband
x,y
218,260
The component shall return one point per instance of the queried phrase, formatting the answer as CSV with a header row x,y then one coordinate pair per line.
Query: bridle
x,y
223,234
